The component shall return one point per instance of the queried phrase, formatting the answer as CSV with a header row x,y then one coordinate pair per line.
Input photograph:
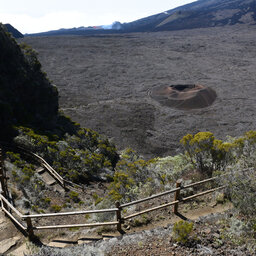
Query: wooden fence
x,y
66,184
25,221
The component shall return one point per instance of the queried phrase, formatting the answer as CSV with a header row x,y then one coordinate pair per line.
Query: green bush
x,y
13,156
56,208
241,189
96,198
208,154
74,196
141,221
182,231
132,173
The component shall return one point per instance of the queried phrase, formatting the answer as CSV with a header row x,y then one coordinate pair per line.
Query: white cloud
x,y
29,24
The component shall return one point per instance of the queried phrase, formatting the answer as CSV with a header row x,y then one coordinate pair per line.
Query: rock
x,y
216,235
213,204
220,197
128,227
207,231
7,244
204,250
2,221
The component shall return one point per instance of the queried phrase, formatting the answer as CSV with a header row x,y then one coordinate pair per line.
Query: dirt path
x,y
193,214
10,237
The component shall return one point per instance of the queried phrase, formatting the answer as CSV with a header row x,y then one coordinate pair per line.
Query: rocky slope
x,y
199,14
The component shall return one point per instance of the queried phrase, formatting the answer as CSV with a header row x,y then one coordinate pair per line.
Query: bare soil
x,y
104,83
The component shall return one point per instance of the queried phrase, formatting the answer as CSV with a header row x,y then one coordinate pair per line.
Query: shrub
x,y
182,231
12,156
120,186
96,198
131,175
141,221
207,153
74,196
56,208
47,200
241,189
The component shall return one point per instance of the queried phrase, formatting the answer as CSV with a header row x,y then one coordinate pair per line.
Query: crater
x,y
184,96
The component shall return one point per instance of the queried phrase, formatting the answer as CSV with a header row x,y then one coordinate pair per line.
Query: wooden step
x,y
48,179
51,182
62,243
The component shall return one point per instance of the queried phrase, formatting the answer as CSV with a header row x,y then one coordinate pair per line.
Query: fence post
x,y
119,217
177,196
3,182
30,230
3,204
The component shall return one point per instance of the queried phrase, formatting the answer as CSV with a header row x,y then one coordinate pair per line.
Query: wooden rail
x,y
150,210
14,219
89,225
45,215
150,198
3,199
202,193
63,182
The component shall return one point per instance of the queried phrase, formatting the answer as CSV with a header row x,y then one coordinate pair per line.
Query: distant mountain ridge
x,y
15,33
199,14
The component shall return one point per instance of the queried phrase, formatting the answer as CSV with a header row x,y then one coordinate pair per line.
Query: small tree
x,y
199,149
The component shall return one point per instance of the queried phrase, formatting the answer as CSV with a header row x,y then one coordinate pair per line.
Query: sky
x,y
31,16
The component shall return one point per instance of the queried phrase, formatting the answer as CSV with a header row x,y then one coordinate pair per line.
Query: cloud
x,y
54,20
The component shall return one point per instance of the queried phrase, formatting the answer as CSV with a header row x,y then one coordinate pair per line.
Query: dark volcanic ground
x,y
105,82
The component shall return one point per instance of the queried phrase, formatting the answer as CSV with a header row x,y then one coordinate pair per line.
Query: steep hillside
x,y
26,95
199,14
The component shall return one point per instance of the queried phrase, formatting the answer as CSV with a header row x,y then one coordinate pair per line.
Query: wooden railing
x,y
24,221
177,198
63,182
